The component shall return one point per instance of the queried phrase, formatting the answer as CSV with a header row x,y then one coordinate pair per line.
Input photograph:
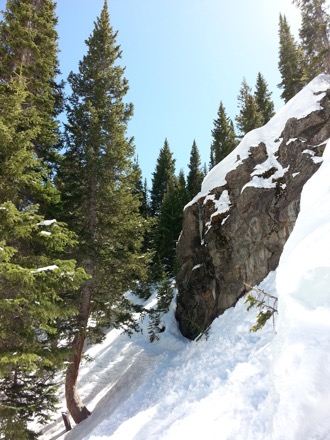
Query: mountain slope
x,y
233,384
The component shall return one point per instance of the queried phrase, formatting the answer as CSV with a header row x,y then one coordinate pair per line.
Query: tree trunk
x,y
76,407
66,421
78,410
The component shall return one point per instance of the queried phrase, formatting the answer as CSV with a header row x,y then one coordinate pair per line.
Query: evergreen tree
x,y
249,116
183,193
315,36
195,175
35,302
224,139
28,47
97,181
290,63
36,284
263,99
163,184
162,177
141,190
170,222
145,206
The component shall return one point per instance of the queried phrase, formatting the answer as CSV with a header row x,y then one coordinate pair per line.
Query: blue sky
x,y
182,57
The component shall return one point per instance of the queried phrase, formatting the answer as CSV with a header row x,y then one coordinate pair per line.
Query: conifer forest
x,y
79,225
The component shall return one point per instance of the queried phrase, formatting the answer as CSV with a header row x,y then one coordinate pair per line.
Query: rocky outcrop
x,y
234,233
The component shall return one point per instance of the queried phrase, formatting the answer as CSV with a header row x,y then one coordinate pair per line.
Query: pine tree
x,y
169,223
141,189
315,36
28,47
163,183
162,176
145,206
36,284
224,139
35,302
249,116
195,175
290,63
97,181
263,99
183,193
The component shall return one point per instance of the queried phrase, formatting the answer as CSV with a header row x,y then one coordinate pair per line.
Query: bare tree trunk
x,y
76,407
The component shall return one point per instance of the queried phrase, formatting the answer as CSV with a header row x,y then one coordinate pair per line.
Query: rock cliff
x,y
234,230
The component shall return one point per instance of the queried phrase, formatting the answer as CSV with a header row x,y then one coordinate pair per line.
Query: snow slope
x,y
233,385
301,361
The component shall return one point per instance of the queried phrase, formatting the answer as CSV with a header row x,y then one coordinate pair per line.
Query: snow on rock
x,y
220,206
242,241
305,102
223,204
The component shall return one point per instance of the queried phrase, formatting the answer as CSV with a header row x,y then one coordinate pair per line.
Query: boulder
x,y
233,234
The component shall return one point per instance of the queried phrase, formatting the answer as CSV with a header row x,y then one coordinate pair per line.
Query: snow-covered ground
x,y
232,385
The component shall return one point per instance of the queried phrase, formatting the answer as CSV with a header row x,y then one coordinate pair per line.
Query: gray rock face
x,y
221,250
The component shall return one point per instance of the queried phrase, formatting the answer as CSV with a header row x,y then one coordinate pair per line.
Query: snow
x,y
197,266
302,354
173,386
231,384
43,269
306,101
47,222
223,204
45,233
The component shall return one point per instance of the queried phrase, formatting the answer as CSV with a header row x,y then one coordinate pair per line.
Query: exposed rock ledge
x,y
234,233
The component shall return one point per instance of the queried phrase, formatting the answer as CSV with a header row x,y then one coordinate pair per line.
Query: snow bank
x,y
301,372
214,387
